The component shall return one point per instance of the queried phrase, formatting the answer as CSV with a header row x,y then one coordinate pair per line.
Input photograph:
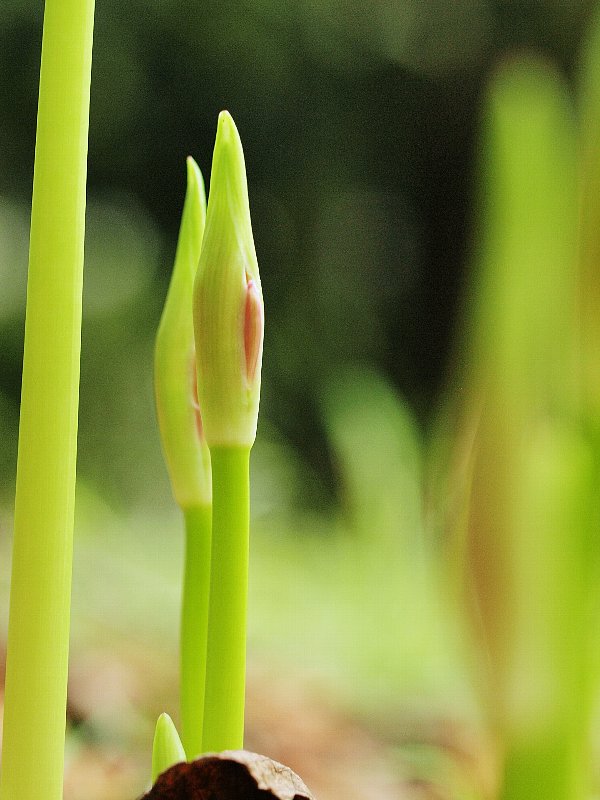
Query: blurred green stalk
x,y
589,290
38,635
548,705
529,543
194,625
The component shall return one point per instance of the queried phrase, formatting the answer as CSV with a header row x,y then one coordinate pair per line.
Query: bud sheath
x,y
228,304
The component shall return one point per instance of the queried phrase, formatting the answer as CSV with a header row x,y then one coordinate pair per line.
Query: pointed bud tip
x,y
225,123
194,178
228,138
167,748
165,727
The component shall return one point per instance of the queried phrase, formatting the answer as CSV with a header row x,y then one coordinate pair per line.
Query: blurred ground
x,y
354,679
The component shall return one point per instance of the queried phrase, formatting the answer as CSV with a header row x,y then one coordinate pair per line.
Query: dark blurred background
x,y
359,122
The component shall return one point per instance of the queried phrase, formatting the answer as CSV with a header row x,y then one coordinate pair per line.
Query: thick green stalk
x,y
38,637
194,625
226,654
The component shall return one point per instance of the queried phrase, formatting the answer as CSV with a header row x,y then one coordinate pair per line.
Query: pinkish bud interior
x,y
253,327
195,400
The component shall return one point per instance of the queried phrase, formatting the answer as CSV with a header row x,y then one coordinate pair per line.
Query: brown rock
x,y
230,775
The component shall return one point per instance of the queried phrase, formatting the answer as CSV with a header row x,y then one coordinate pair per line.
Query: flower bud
x,y
228,304
180,422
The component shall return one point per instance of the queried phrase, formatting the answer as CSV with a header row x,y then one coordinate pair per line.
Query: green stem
x,y
550,765
226,654
38,636
194,625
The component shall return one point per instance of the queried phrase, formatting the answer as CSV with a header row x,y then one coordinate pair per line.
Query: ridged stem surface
x,y
226,654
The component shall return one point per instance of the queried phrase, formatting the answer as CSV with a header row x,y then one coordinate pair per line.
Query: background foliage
x,y
359,123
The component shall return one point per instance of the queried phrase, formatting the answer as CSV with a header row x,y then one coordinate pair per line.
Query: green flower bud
x,y
180,423
228,304
167,748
